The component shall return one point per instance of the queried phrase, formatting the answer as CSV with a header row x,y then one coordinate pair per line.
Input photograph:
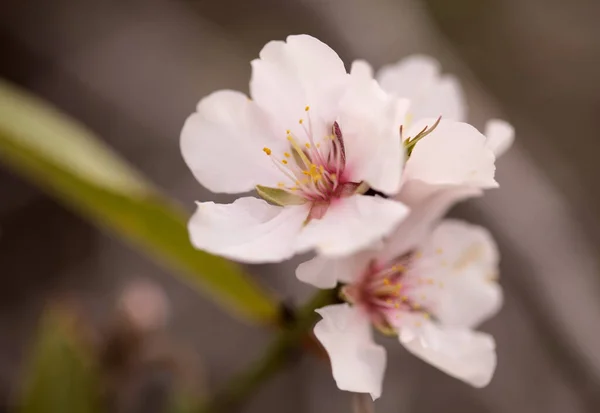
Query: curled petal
x,y
351,224
369,120
248,230
454,153
357,363
464,354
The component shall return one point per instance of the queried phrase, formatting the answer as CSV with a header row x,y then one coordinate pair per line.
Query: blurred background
x,y
133,70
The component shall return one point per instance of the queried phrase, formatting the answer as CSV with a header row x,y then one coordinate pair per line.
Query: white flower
x,y
431,297
432,95
448,163
312,140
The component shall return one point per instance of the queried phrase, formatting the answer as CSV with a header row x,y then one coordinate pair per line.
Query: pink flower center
x,y
315,170
384,292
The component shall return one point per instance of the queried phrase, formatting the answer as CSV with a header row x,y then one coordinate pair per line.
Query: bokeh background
x,y
132,70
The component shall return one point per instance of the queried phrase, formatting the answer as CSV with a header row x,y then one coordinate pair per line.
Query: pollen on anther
x,y
300,121
267,150
283,161
280,184
386,281
307,108
439,251
307,145
287,132
286,154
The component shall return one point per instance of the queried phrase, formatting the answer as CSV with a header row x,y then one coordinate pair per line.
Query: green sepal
x,y
277,196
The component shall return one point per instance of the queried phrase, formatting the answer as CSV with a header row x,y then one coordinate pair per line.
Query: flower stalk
x,y
279,354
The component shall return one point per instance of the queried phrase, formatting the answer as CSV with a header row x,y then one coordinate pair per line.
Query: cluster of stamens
x,y
315,169
390,291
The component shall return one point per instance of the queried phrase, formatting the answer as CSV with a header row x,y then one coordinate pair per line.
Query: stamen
x,y
267,150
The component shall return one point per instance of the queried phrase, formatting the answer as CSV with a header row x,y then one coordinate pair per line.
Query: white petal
x,y
445,99
465,259
351,224
500,136
454,153
248,230
357,363
369,120
410,77
291,75
323,272
418,79
428,204
362,68
467,355
222,144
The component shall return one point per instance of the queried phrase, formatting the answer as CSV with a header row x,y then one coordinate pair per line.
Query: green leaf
x,y
67,160
62,376
277,196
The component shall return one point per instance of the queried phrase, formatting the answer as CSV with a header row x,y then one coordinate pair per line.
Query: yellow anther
x,y
397,305
307,145
426,316
283,161
287,154
280,184
439,251
307,108
388,301
398,268
416,306
418,254
333,177
287,132
404,298
430,281
318,145
267,150
386,281
313,172
300,121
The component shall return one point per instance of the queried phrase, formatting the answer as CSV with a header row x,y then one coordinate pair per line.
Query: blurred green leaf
x,y
65,158
62,377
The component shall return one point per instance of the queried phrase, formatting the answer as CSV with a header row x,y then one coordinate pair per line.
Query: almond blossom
x,y
430,297
311,140
453,161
